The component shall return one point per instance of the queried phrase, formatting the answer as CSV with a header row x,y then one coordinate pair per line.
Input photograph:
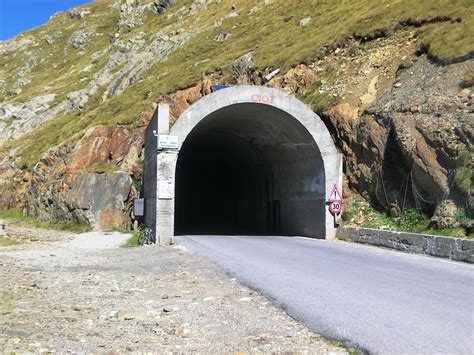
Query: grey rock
x,y
96,196
133,23
221,37
78,13
76,100
16,119
444,215
304,22
444,247
242,65
160,6
78,39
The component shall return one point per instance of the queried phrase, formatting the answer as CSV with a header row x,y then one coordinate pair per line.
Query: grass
x,y
463,175
135,240
6,241
317,101
272,34
360,212
102,168
15,215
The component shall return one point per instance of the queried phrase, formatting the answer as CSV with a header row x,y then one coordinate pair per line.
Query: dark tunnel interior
x,y
250,169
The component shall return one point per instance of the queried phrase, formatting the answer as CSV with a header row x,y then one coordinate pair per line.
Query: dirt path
x,y
62,292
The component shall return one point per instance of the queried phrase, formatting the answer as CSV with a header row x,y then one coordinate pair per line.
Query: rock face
x,y
101,199
401,142
90,181
160,6
16,119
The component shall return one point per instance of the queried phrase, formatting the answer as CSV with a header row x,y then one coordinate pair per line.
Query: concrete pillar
x,y
333,177
163,112
166,167
165,182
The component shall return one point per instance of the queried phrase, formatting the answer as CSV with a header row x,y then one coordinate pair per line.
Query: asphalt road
x,y
375,299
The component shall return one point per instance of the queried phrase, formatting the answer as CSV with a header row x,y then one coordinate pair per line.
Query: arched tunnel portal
x,y
251,160
250,168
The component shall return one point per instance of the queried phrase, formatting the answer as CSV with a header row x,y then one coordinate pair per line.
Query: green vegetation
x,y
463,172
102,168
136,239
15,215
337,344
6,241
271,33
414,221
317,101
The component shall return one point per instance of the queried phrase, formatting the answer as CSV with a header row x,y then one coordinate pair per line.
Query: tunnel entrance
x,y
250,169
247,160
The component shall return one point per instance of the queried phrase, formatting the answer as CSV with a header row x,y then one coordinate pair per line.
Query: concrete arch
x,y
295,122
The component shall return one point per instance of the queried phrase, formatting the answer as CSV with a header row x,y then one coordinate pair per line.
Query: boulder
x,y
78,39
101,199
160,6
304,22
241,67
444,215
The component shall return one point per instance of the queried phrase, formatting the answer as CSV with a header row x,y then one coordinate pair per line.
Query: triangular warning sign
x,y
335,195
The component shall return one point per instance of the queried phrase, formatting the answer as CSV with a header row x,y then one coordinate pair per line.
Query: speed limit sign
x,y
335,207
335,201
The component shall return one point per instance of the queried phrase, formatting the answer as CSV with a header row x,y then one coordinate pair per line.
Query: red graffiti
x,y
270,99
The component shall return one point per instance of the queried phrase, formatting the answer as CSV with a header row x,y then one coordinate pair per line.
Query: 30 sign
x,y
335,207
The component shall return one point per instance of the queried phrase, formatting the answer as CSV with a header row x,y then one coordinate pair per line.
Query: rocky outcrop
x,y
78,39
242,67
16,119
101,200
401,150
90,181
296,81
160,6
182,99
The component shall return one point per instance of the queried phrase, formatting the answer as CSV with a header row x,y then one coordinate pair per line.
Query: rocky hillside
x,y
393,83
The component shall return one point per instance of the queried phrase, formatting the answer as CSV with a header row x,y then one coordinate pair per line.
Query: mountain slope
x,y
108,63
87,57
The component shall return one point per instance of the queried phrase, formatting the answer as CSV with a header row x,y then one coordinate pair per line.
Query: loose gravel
x,y
81,293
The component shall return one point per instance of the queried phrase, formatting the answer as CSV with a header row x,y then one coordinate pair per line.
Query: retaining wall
x,y
444,247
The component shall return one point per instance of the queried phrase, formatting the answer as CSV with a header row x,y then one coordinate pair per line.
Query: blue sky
x,y
20,15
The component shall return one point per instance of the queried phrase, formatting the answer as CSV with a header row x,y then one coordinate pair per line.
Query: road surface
x,y
374,299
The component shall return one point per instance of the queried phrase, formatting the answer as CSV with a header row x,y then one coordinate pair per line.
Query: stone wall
x,y
444,247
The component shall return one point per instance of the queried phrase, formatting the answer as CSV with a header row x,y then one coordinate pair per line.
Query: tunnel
x,y
250,168
243,160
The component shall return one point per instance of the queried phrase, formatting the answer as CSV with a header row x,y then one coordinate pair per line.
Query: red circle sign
x,y
335,207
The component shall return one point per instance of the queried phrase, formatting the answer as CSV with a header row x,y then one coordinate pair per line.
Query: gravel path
x,y
63,292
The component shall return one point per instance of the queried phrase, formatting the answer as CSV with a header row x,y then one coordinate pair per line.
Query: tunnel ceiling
x,y
266,128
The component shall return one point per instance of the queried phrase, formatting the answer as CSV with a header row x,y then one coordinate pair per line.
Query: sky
x,y
20,15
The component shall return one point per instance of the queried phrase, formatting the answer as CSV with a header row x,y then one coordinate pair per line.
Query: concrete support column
x,y
333,177
165,181
166,167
